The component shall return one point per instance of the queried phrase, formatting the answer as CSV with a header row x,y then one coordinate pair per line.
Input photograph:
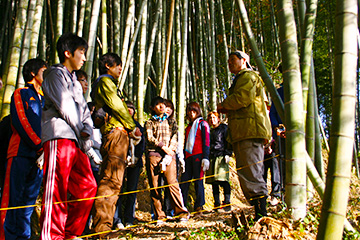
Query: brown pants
x,y
114,151
176,199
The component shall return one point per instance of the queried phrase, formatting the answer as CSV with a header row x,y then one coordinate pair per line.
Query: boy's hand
x,y
227,159
84,135
135,133
205,164
168,151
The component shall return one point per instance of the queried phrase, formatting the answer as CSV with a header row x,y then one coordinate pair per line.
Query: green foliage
x,y
212,233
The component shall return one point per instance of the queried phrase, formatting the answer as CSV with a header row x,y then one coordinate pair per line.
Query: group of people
x,y
55,133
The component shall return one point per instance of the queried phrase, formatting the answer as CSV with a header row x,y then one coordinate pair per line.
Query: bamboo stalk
x,y
168,45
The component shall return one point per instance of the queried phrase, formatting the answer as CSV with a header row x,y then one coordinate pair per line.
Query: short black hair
x,y
32,66
69,42
110,59
155,101
81,73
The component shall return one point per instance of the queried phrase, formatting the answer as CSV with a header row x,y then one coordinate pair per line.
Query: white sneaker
x,y
119,226
160,222
274,201
128,225
184,217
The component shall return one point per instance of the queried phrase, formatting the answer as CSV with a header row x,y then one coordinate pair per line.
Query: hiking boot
x,y
199,211
226,206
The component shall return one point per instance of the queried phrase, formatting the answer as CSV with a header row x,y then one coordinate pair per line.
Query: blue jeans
x,y
193,170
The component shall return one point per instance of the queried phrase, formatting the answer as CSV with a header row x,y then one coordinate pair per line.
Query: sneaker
x,y
226,207
119,226
127,225
274,201
160,222
184,217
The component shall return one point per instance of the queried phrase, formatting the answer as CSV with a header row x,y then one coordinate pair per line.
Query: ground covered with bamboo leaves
x,y
238,223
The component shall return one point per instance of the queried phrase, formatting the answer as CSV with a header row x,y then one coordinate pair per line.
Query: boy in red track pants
x,y
66,130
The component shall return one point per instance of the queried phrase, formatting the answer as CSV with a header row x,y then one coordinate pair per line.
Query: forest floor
x,y
238,223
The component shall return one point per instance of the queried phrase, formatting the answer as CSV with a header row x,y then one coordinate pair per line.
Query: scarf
x,y
161,119
191,137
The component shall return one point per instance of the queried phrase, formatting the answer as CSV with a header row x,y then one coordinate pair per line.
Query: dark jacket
x,y
218,144
25,111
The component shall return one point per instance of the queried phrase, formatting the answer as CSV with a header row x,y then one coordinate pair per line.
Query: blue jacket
x,y
25,111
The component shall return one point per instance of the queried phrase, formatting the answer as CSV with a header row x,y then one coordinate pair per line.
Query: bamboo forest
x,y
179,50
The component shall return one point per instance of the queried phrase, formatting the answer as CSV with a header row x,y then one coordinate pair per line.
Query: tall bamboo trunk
x,y
212,59
117,24
9,80
182,75
224,40
129,20
342,131
259,61
36,28
129,54
168,45
26,42
92,40
151,45
295,136
104,27
142,62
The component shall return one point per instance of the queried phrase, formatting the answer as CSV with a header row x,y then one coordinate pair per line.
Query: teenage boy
x,y
66,131
135,165
23,176
116,132
161,144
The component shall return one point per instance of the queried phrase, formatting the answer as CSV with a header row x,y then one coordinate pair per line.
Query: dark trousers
x,y
193,170
216,192
271,162
25,181
132,180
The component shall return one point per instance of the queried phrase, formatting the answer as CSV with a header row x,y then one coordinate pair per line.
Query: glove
x,y
227,159
40,161
205,164
92,155
85,145
165,161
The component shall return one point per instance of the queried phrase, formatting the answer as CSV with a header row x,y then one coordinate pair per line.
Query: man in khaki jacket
x,y
250,128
